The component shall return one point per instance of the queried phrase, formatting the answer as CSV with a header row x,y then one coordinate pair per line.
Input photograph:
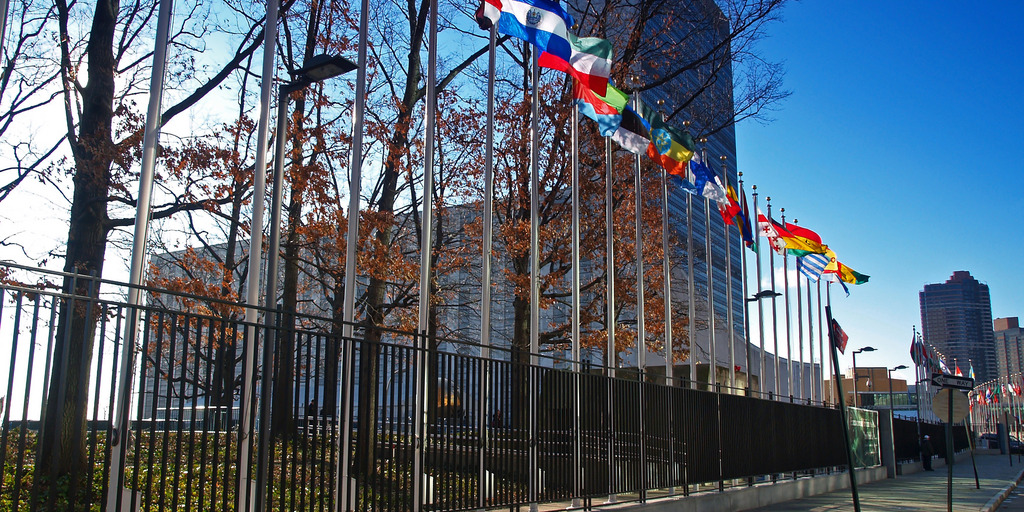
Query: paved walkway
x,y
925,490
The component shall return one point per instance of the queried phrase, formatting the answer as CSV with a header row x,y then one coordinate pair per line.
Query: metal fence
x,y
907,434
406,422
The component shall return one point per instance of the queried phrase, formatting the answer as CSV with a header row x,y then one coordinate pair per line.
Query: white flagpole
x,y
485,269
800,331
785,284
821,350
577,449
691,299
345,487
252,285
775,312
760,307
746,301
641,335
811,384
728,290
610,323
609,221
713,355
142,214
534,274
426,249
833,397
666,270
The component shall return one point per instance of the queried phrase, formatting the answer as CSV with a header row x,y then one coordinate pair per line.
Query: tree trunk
x,y
64,421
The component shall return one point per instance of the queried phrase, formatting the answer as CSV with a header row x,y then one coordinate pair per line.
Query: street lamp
x,y
317,69
856,402
763,294
892,407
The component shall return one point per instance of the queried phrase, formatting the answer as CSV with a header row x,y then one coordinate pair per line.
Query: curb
x,y
999,498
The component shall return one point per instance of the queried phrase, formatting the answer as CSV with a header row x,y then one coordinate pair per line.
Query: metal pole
x,y
577,440
746,302
426,262
641,335
708,259
775,312
760,306
666,270
485,258
821,349
691,299
800,332
728,290
273,252
785,283
142,213
609,222
534,276
252,300
810,344
345,486
842,411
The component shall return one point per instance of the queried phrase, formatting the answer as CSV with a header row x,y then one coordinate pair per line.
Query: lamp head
x,y
321,67
900,367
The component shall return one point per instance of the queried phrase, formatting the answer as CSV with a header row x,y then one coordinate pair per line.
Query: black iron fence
x,y
907,435
378,421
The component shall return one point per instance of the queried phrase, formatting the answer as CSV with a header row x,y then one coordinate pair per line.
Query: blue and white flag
x,y
812,265
706,180
543,23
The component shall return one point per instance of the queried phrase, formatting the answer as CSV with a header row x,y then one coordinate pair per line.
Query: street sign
x,y
940,405
950,381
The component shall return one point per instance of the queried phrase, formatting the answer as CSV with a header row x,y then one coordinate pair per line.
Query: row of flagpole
x,y
350,291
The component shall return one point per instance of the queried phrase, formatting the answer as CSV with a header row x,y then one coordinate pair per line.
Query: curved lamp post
x,y
892,406
856,401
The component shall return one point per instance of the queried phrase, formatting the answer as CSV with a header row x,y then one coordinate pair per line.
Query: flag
x,y
802,241
770,230
589,62
748,234
839,337
634,132
943,367
670,147
605,110
812,265
542,23
958,373
915,351
843,273
970,372
706,181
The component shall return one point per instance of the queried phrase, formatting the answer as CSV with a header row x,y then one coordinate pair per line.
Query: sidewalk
x,y
924,491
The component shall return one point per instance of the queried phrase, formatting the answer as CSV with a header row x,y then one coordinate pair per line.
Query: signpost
x,y
951,405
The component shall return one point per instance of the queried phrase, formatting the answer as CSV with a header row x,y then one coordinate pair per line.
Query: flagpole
x,y
641,339
828,305
151,137
610,322
789,338
485,268
821,350
746,294
842,410
576,451
534,274
666,270
800,329
346,485
775,311
691,307
712,357
253,273
728,289
609,221
760,307
810,343
426,250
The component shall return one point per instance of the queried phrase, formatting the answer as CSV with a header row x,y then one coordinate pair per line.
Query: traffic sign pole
x,y
949,455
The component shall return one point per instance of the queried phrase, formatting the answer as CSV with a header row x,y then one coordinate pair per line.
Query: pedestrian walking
x,y
926,453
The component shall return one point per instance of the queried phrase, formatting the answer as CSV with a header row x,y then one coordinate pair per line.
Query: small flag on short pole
x,y
839,337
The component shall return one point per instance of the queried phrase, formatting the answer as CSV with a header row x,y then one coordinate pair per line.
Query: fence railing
x,y
428,427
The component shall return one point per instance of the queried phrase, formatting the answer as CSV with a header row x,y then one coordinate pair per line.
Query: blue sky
x,y
900,147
